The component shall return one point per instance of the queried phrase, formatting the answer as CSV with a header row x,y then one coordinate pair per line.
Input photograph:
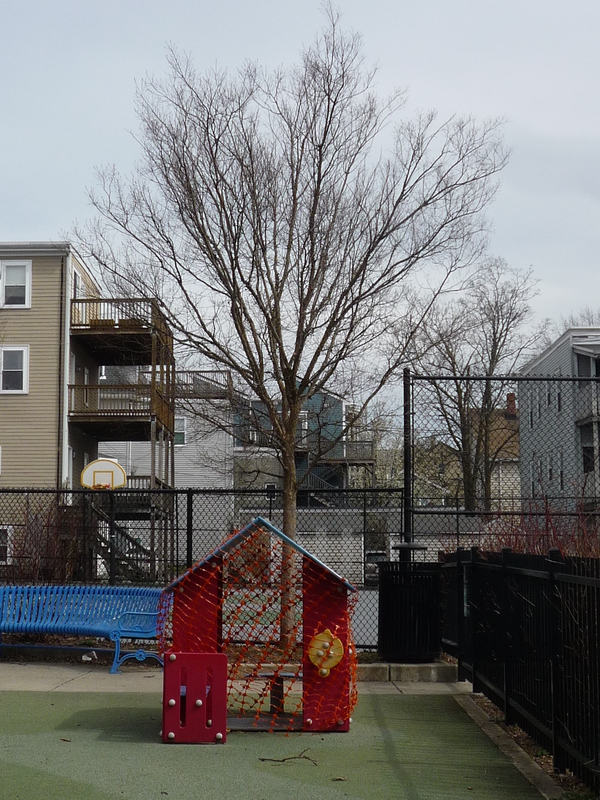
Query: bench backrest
x,y
66,605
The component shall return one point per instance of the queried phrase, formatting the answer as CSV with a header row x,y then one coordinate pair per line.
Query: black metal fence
x,y
525,630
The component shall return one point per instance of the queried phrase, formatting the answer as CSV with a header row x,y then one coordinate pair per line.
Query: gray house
x,y
203,443
332,444
559,432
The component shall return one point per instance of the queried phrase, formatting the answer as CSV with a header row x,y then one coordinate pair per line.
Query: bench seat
x,y
105,612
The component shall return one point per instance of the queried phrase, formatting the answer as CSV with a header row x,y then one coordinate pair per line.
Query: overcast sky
x,y
68,70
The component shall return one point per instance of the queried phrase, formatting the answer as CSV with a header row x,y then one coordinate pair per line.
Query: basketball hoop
x,y
103,473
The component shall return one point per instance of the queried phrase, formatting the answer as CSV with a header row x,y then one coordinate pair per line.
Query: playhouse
x,y
257,635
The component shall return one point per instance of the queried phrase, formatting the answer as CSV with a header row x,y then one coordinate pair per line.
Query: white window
x,y
586,433
531,413
561,470
584,366
15,284
14,369
6,544
180,431
302,430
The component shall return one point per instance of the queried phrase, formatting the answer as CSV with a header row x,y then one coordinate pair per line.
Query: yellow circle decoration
x,y
325,651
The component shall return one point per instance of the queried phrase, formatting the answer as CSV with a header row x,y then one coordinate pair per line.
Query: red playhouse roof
x,y
258,524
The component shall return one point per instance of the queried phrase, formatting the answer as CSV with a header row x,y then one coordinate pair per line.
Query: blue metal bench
x,y
106,612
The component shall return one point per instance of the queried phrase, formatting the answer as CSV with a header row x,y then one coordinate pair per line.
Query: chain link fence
x,y
488,462
504,462
149,537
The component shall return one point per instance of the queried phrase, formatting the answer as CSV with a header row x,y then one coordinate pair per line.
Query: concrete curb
x,y
526,765
436,672
379,672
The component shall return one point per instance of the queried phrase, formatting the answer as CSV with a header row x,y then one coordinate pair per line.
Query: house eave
x,y
570,335
21,249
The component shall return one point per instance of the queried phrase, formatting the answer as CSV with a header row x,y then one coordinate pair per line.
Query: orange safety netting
x,y
284,621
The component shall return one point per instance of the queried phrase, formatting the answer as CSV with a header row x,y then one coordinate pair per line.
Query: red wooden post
x,y
197,610
326,698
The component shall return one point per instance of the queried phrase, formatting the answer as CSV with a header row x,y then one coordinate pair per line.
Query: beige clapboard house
x,y
58,337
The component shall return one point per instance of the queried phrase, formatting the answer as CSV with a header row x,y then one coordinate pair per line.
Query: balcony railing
x,y
203,384
144,482
130,315
355,452
134,400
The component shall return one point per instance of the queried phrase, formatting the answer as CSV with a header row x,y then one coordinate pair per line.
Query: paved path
x,y
78,733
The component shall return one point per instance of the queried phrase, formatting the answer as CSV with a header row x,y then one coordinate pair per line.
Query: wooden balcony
x,y
120,413
356,452
128,331
144,503
140,482
203,385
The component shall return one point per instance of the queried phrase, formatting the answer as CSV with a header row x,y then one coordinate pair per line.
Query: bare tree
x,y
586,317
281,240
486,333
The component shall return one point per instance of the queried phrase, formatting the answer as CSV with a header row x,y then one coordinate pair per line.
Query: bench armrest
x,y
136,625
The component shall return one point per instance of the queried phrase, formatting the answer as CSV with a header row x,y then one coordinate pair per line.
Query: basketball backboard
x,y
103,473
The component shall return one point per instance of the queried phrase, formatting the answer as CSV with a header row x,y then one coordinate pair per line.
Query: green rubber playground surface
x,y
94,746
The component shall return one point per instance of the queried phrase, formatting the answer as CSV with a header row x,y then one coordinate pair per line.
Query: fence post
x,y
189,529
473,617
111,538
86,541
408,530
554,562
457,521
507,635
460,615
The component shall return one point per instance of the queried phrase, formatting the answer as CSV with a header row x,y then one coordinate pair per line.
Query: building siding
x,y
30,450
552,415
204,462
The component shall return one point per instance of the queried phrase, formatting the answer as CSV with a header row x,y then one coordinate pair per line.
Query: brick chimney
x,y
511,406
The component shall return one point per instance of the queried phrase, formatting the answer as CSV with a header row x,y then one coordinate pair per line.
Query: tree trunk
x,y
469,485
487,457
469,470
288,595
